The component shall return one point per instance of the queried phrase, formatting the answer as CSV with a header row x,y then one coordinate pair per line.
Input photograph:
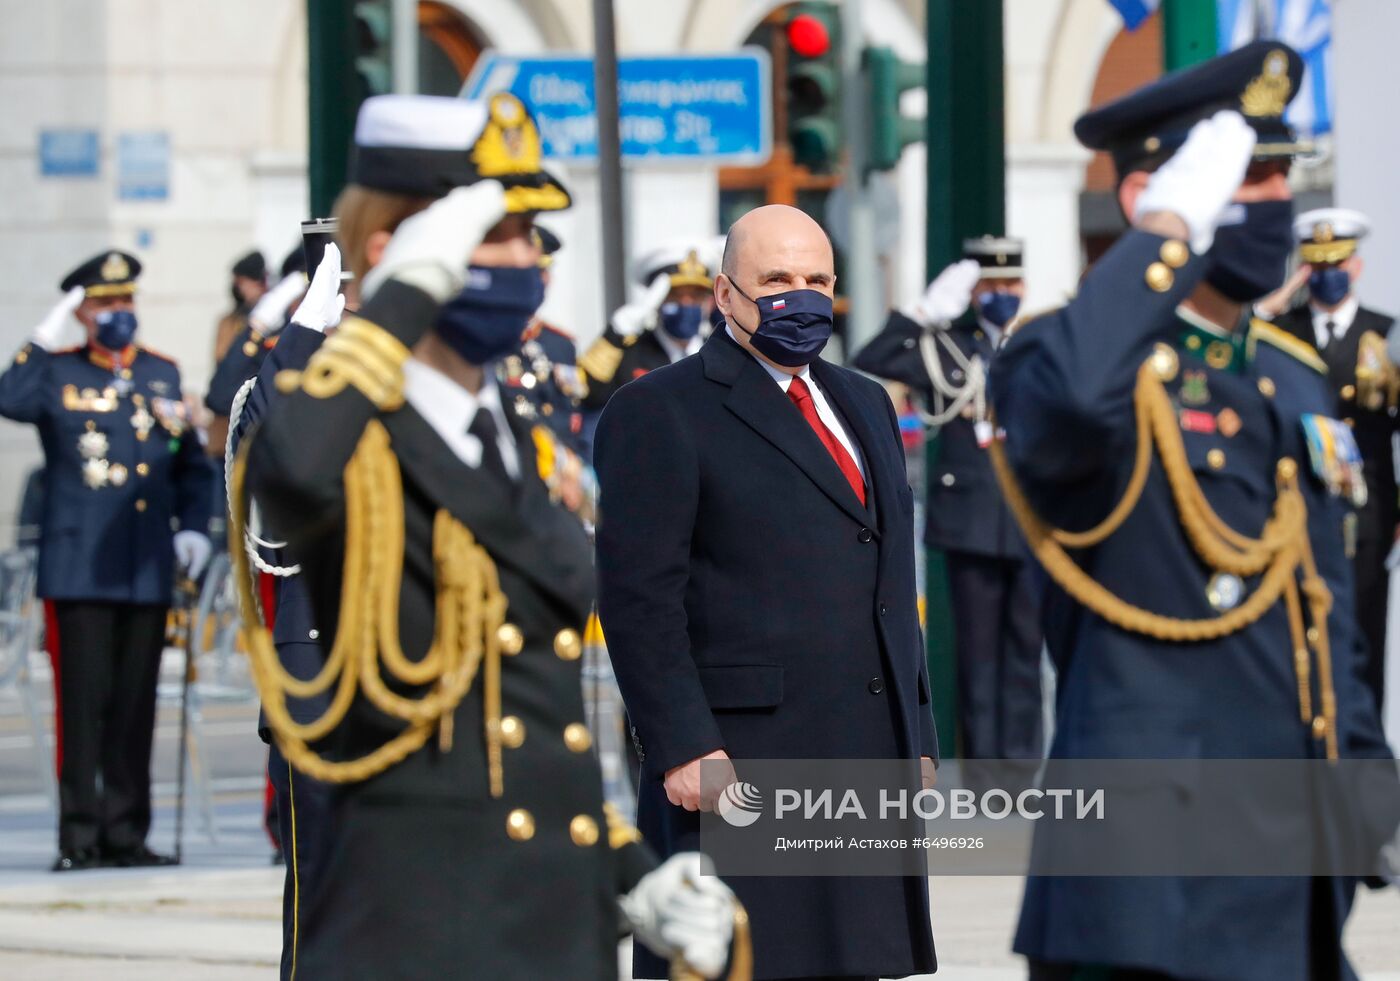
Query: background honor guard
x,y
1151,431
249,283
540,379
942,349
469,809
660,328
122,463
1352,340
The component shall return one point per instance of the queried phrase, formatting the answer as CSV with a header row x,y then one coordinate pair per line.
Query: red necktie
x,y
802,398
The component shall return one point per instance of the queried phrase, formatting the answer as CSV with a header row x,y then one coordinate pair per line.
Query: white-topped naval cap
x,y
424,122
1330,224
689,261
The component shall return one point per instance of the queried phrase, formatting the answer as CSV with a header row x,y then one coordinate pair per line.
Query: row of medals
x,y
98,471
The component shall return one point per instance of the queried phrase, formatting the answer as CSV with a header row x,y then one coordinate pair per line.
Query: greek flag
x,y
1306,26
1134,12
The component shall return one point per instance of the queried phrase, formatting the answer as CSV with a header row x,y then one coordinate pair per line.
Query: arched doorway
x,y
448,47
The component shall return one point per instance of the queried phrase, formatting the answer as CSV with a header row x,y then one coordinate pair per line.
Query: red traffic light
x,y
808,36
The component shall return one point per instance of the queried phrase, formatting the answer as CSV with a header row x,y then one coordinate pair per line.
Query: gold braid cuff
x,y
470,609
1282,554
359,354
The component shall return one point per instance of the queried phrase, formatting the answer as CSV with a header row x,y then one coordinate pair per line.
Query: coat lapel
x,y
514,532
866,431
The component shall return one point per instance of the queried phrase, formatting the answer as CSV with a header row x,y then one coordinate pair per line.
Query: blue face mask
x,y
681,320
1329,285
998,308
793,327
115,329
485,320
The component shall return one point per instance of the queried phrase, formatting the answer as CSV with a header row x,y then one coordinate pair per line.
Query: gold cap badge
x,y
691,272
1267,93
510,143
115,268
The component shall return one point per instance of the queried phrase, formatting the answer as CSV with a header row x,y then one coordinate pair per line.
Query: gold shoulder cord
x,y
470,608
1282,554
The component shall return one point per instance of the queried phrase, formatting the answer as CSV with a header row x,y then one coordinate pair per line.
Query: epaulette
x,y
164,357
600,362
1278,337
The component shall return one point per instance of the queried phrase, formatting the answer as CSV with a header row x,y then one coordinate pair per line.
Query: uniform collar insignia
x,y
110,362
1224,351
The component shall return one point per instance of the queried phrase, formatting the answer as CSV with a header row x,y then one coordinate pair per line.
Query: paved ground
x,y
216,918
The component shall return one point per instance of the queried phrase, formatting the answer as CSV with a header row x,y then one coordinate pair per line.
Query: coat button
x,y
584,831
510,638
1216,458
865,535
520,825
577,738
876,686
142,469
314,634
884,609
568,645
141,504
512,732
948,480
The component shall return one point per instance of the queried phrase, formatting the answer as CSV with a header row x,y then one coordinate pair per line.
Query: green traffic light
x,y
887,77
815,142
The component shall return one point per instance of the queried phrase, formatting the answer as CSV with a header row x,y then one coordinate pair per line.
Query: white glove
x,y
633,318
1200,180
949,295
192,551
323,304
270,312
430,250
59,328
677,910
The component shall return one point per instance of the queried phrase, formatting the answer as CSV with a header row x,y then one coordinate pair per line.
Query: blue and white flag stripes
x,y
1134,12
1306,26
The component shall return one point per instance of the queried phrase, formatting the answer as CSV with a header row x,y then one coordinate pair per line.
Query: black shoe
x,y
74,859
137,857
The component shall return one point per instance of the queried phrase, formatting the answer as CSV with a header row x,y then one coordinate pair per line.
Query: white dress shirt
x,y
449,409
824,411
675,350
1341,318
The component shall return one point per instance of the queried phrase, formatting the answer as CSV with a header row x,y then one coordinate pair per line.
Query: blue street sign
x,y
143,166
68,153
693,108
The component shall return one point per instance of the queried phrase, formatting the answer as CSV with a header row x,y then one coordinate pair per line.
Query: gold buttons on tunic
x,y
141,504
1175,253
584,830
512,732
577,738
1313,635
510,638
1348,392
1266,387
1165,362
1160,277
1216,458
1287,468
1319,727
142,469
520,825
568,645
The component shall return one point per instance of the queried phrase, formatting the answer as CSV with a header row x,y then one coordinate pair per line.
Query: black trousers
x,y
1372,600
109,657
303,814
996,622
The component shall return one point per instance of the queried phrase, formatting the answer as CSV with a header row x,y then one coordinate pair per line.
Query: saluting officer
x,y
1151,431
122,463
942,349
1352,340
468,811
660,328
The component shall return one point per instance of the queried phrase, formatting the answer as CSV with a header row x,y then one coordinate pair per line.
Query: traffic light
x,y
886,78
813,83
373,53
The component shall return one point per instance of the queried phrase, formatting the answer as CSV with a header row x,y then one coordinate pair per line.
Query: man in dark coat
x,y
1167,646
942,349
1351,340
756,587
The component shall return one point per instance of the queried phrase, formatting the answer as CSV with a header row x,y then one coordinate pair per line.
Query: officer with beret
x,y
941,349
660,328
1352,340
123,465
1151,433
540,379
467,808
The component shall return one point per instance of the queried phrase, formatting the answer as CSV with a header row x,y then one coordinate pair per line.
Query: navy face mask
x,y
1329,285
793,327
485,320
998,308
681,320
115,329
1249,259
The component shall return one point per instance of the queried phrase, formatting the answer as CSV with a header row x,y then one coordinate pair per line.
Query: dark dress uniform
x,y
122,464
468,832
1229,417
1373,417
542,384
995,594
613,360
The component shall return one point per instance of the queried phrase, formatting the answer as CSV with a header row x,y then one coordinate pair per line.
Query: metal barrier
x,y
21,626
